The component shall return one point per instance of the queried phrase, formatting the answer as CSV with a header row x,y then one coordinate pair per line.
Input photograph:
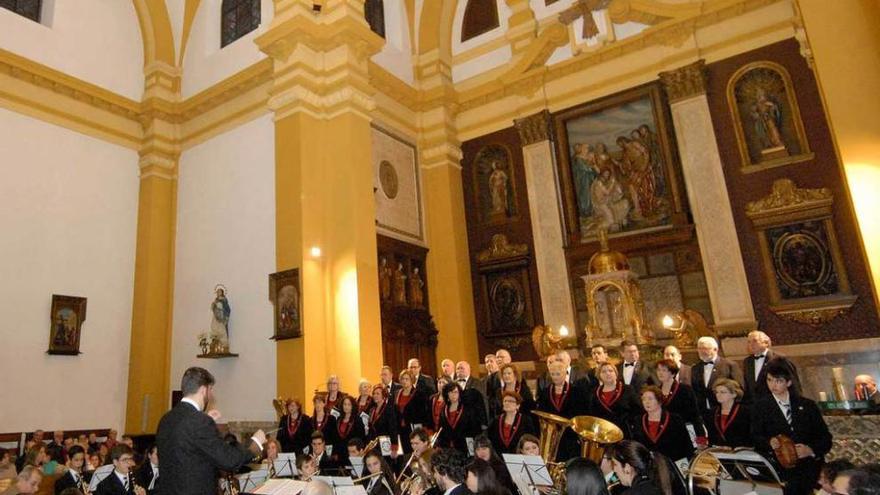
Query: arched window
x,y
480,16
374,13
28,8
238,18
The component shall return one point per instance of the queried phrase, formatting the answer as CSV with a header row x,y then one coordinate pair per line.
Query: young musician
x,y
482,479
679,398
295,428
638,469
322,420
511,381
318,451
74,477
306,467
437,403
383,417
528,445
458,421
270,455
120,481
783,412
483,451
731,425
508,427
348,427
567,399
148,474
612,400
381,484
661,431
411,405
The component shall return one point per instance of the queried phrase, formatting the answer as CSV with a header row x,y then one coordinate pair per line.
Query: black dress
x,y
458,426
682,401
672,438
733,430
411,413
505,440
345,431
618,409
294,436
326,427
573,401
383,422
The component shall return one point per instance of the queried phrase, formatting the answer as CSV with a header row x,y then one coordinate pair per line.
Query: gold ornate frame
x,y
788,205
747,165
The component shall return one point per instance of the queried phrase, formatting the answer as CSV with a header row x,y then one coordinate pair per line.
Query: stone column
x,y
547,236
707,193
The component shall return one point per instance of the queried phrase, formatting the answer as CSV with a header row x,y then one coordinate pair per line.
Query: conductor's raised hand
x,y
215,415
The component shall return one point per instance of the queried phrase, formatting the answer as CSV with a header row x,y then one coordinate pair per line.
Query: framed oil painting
x,y
617,166
285,292
67,316
494,180
766,117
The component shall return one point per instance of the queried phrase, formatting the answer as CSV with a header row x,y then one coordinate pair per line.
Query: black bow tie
x,y
709,363
760,356
628,364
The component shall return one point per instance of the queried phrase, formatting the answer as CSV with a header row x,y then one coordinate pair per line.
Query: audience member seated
x,y
857,482
27,481
7,467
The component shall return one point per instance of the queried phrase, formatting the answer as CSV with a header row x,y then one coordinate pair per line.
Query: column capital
x,y
162,81
685,82
534,128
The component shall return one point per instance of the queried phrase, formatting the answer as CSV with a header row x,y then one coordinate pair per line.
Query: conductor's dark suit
x,y
191,452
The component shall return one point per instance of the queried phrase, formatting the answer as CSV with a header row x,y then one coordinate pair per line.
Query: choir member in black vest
x,y
512,381
565,399
484,451
383,484
612,400
365,397
74,477
659,430
383,418
459,421
295,428
679,398
120,481
348,426
783,412
731,425
508,427
437,404
318,450
322,420
147,475
411,405
334,395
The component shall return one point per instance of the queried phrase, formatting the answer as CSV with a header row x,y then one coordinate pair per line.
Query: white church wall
x,y
68,221
204,62
98,41
226,235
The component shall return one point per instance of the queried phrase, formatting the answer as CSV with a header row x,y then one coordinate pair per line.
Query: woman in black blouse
x,y
508,427
322,420
348,427
661,431
612,400
458,422
731,424
567,400
411,405
511,381
437,404
295,428
383,417
679,398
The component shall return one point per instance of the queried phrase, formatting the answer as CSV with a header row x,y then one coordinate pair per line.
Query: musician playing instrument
x,y
679,397
383,483
612,400
348,427
659,430
637,468
459,421
411,405
507,428
566,399
322,420
731,425
383,418
318,451
365,398
74,476
270,455
783,412
438,405
511,380
120,481
295,428
306,467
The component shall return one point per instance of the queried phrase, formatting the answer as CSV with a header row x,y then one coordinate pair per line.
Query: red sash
x,y
293,426
558,403
672,391
608,405
455,416
437,408
331,404
344,427
377,413
723,424
655,434
507,432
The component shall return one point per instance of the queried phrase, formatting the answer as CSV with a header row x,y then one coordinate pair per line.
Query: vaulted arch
x,y
156,31
435,28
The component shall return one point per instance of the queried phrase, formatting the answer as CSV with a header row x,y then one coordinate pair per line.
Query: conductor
x,y
190,448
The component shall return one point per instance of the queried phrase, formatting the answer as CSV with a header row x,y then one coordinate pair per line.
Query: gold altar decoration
x,y
547,341
609,271
502,248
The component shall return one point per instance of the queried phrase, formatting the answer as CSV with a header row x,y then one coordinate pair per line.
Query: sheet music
x,y
365,419
285,465
532,467
385,445
470,445
99,475
350,490
281,487
249,481
335,413
357,463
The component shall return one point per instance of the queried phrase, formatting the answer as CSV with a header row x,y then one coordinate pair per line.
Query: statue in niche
x,y
385,279
768,121
416,295
218,335
399,286
498,189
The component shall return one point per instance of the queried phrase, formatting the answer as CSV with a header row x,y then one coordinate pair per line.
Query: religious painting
x,y
616,165
509,302
285,292
493,176
397,187
766,117
802,261
66,316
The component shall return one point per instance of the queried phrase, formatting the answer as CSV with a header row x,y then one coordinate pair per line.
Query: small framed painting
x,y
285,293
66,316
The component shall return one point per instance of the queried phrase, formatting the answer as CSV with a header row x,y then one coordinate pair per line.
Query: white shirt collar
x,y
449,490
192,403
121,476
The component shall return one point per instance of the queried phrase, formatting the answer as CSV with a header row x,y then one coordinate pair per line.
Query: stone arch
x,y
156,32
435,28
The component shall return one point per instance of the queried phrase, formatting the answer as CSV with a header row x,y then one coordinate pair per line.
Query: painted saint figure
x,y
768,121
583,165
220,312
399,286
385,279
610,205
416,295
498,189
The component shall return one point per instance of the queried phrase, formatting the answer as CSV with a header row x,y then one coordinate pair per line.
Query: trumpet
x,y
412,458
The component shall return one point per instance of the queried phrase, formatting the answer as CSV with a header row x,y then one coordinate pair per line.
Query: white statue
x,y
219,332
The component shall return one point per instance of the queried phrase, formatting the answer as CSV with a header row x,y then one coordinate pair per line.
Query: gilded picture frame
x,y
285,293
66,317
766,117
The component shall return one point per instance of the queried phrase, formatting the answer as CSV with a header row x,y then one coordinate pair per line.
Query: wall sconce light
x,y
667,321
563,331
315,252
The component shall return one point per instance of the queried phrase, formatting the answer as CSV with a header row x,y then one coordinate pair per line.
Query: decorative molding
x,y
785,195
814,317
501,249
685,82
534,128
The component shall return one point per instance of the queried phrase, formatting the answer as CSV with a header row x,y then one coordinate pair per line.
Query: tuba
x,y
552,427
594,435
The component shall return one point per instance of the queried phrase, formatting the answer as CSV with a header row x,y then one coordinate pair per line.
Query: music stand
x,y
285,465
742,471
99,475
281,487
528,467
252,480
335,481
357,465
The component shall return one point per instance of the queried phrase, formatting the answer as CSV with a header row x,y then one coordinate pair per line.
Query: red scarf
x,y
558,400
377,413
507,432
437,409
608,404
721,423
656,432
453,417
293,426
672,391
344,427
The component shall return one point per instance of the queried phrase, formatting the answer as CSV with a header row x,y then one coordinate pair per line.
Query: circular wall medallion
x,y
388,179
801,260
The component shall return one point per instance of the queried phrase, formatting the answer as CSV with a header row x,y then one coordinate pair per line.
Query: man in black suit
x,y
73,477
447,369
710,368
492,381
190,448
544,380
684,370
386,377
600,356
120,481
632,370
147,475
448,467
474,390
423,382
756,364
318,451
783,412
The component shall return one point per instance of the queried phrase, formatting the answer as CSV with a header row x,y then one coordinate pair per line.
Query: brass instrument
x,y
552,427
278,404
422,476
371,445
412,457
594,435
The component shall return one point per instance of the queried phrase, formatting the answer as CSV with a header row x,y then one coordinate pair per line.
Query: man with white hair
x,y
27,481
447,368
710,368
473,389
755,366
684,370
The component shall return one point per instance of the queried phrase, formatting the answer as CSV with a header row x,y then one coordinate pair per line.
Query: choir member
x,y
412,406
295,428
148,474
473,391
482,479
365,398
710,368
731,424
383,417
659,430
386,379
633,371
334,395
679,397
684,370
322,420
483,451
566,399
447,369
544,381
74,476
382,484
318,450
612,400
511,381
784,412
348,426
421,381
637,469
437,403
756,363
507,428
459,421
600,356
492,380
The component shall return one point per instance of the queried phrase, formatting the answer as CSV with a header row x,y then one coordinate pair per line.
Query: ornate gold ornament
x,y
785,196
501,248
534,128
685,82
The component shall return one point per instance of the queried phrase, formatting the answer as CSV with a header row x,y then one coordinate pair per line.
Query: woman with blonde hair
x,y
731,419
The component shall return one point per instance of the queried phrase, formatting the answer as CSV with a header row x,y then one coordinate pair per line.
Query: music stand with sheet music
x,y
281,487
248,482
528,467
357,465
99,475
285,465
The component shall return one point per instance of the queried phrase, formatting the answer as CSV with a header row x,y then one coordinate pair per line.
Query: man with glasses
x,y
424,382
120,481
